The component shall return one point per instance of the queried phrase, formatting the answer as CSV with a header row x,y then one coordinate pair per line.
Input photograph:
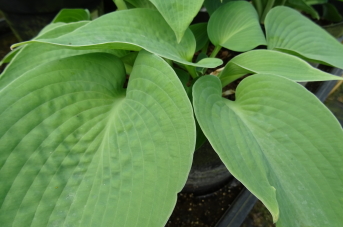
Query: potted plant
x,y
97,122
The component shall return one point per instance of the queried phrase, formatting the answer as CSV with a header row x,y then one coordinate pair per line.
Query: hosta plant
x,y
98,118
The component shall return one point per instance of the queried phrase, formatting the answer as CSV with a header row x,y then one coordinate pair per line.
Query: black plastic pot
x,y
208,172
27,18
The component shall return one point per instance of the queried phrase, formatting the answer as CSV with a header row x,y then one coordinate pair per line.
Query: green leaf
x,y
178,14
235,26
281,142
330,13
314,2
303,6
200,33
144,28
72,15
8,57
52,31
213,5
272,62
287,30
141,4
33,55
79,150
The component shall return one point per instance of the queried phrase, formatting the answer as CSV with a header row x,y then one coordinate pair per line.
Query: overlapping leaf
x,y
235,26
33,55
272,62
213,5
287,30
200,33
79,150
132,30
178,14
303,6
286,150
72,15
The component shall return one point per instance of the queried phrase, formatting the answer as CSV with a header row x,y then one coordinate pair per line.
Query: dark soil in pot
x,y
204,210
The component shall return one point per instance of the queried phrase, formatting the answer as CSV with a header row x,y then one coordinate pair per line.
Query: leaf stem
x,y
258,6
121,5
192,71
283,2
215,51
269,5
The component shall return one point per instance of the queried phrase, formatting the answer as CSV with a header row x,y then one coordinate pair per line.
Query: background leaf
x,y
286,150
235,26
287,30
272,62
81,152
72,15
302,5
132,30
213,5
331,13
178,14
200,33
141,4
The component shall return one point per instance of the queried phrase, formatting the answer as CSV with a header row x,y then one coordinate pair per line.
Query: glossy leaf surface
x,y
132,30
287,30
286,150
272,62
235,26
79,150
178,14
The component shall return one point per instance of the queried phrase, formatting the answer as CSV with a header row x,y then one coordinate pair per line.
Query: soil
x,y
203,210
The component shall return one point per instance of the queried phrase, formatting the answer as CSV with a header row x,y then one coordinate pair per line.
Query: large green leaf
x,y
132,30
281,142
272,62
79,150
287,30
178,14
235,26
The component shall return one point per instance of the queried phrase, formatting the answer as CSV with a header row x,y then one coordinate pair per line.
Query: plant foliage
x,y
97,122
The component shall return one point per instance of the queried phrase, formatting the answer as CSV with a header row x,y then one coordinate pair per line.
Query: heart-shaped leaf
x,y
178,14
287,30
79,150
272,62
235,26
132,30
281,142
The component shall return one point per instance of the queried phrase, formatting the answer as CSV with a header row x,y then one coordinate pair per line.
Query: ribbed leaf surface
x,y
132,30
281,142
287,30
79,150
